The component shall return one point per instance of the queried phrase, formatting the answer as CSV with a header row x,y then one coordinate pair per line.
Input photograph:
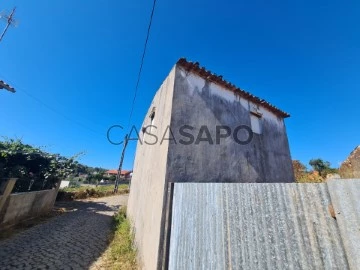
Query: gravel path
x,y
74,240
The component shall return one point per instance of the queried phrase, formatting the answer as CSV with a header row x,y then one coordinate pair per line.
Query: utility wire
x,y
142,61
133,103
79,123
59,113
56,111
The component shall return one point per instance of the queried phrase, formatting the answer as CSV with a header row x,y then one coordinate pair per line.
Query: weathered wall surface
x,y
145,206
6,186
198,102
186,99
21,206
345,198
262,226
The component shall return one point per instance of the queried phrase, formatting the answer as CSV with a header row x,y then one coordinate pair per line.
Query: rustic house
x,y
201,128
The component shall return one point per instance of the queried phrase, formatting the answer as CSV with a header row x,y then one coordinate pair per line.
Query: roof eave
x,y
208,75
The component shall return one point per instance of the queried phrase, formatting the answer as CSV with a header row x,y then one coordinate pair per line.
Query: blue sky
x,y
74,64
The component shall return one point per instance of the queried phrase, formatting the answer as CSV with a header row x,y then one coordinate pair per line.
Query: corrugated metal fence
x,y
265,226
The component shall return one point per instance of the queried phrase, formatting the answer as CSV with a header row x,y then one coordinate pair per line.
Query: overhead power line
x,y
142,60
135,94
74,121
79,123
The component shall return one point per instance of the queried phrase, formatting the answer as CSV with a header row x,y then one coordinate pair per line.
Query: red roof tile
x,y
208,75
123,172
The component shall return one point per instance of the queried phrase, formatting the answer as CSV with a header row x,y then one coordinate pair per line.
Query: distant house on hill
x,y
124,173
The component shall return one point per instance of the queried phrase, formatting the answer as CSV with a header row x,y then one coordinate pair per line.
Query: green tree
x,y
34,168
323,167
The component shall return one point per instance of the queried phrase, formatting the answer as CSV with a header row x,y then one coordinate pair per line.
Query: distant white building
x,y
64,183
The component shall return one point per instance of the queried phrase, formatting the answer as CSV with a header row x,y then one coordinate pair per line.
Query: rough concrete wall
x,y
198,102
6,186
20,206
145,206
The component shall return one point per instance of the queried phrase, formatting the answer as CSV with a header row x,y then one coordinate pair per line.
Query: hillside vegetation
x,y
350,168
320,171
37,169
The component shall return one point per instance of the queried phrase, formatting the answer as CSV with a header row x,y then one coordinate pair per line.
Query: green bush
x,y
34,168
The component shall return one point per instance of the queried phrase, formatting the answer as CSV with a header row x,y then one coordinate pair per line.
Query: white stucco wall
x,y
197,83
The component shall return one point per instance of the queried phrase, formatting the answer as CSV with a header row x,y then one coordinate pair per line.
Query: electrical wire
x,y
79,123
135,94
142,61
59,113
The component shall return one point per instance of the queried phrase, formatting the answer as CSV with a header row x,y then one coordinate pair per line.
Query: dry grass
x,y
69,194
121,253
311,177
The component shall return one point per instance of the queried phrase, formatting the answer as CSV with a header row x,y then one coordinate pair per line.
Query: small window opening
x,y
256,123
148,128
152,116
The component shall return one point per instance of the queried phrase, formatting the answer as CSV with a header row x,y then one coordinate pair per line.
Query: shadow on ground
x,y
74,240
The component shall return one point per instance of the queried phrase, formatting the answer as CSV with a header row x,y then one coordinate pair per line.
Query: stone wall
x,y
350,168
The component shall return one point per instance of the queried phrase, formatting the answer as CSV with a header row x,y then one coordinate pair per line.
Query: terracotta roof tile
x,y
116,171
208,75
